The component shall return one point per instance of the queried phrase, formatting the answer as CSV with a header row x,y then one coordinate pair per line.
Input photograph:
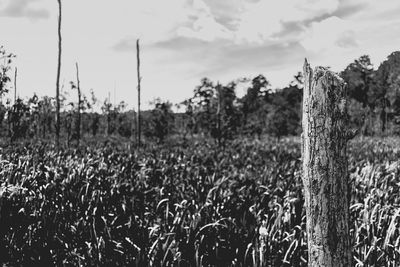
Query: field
x,y
185,205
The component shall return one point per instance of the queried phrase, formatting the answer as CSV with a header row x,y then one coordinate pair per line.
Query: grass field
x,y
192,205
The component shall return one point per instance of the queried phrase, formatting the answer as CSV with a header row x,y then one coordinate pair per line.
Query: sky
x,y
183,41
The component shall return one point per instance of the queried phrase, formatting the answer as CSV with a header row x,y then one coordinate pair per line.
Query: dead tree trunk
x,y
58,123
138,90
219,92
109,115
78,123
15,85
325,168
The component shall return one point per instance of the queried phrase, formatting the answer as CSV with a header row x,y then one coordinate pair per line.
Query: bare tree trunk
x,y
219,91
325,168
138,89
109,115
15,85
58,124
78,87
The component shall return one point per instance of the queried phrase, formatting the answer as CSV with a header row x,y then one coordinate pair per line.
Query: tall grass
x,y
185,206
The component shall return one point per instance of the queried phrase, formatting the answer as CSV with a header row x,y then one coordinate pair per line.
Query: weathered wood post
x,y
325,179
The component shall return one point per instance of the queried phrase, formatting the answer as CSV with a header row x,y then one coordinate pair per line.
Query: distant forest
x,y
214,110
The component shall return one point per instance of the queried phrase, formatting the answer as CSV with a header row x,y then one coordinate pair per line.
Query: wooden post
x,y
58,123
325,178
138,90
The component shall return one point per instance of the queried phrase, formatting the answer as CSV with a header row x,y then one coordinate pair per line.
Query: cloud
x,y
21,8
262,20
349,8
346,40
222,59
329,34
226,12
126,44
205,28
240,21
250,58
203,24
180,43
188,18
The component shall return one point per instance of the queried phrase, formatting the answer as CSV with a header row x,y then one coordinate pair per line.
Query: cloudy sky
x,y
183,41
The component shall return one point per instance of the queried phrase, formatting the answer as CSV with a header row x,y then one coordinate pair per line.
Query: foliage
x,y
204,105
162,119
5,62
379,90
216,111
19,119
386,91
41,113
284,112
226,122
359,76
255,96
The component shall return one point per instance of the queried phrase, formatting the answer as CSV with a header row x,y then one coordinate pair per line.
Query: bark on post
x,y
325,179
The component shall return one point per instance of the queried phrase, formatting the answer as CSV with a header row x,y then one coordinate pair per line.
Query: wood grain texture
x,y
325,178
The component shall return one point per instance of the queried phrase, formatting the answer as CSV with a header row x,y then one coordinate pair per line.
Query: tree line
x,y
214,110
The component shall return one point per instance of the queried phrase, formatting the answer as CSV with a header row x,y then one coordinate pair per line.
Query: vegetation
x,y
185,206
214,110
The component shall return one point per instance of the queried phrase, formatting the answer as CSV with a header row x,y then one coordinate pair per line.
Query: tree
x,y
41,112
215,109
139,78
252,105
18,118
359,79
204,105
187,119
80,104
298,80
106,108
386,87
5,66
58,123
95,117
35,114
255,96
228,117
162,119
124,125
283,116
3,112
15,84
358,76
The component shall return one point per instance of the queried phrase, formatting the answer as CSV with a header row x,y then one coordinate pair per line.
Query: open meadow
x,y
200,133
186,205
